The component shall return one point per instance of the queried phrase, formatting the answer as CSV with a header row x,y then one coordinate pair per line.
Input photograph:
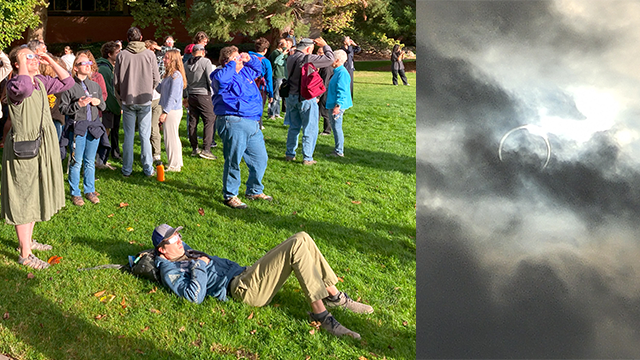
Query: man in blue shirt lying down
x,y
193,275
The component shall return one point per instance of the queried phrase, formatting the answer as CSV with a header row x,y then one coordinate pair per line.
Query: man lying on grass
x,y
193,275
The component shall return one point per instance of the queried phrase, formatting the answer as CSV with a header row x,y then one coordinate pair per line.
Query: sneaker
x,y
325,133
335,154
33,262
106,166
196,152
262,127
272,117
332,326
77,200
92,197
153,174
309,162
214,144
206,154
235,203
261,196
289,158
157,162
279,117
348,303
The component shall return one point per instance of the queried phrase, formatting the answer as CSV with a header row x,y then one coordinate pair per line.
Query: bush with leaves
x,y
16,17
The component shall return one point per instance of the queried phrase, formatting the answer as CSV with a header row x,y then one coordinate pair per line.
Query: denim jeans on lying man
x,y
241,138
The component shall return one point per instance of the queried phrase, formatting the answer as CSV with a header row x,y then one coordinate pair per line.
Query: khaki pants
x,y
156,140
258,284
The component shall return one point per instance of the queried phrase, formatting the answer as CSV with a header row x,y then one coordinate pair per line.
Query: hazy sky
x,y
517,260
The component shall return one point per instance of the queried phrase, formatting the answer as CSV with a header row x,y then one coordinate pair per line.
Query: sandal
x,y
38,246
33,262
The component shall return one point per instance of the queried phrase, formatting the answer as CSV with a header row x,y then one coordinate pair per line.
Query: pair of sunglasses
x,y
31,56
84,63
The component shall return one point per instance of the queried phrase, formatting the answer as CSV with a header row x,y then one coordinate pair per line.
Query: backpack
x,y
260,81
311,83
143,265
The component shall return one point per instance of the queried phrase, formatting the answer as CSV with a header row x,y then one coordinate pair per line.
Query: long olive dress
x,y
32,189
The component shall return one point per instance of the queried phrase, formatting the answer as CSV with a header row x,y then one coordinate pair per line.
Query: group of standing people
x,y
133,83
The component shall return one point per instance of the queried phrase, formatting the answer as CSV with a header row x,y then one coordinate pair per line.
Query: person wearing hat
x,y
303,113
194,275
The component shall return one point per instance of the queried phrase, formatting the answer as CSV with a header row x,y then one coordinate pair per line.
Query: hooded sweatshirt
x,y
198,70
136,74
106,69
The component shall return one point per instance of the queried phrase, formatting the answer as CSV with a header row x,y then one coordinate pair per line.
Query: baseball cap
x,y
304,42
163,232
197,47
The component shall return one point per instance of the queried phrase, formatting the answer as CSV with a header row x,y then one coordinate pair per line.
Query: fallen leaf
x,y
301,225
201,323
107,298
201,211
340,278
145,329
155,288
391,232
276,305
348,183
182,329
5,316
390,347
312,331
30,276
362,358
100,316
405,323
356,202
296,290
252,331
222,311
110,215
100,293
129,229
307,357
122,303
54,260
123,204
140,351
155,311
197,224
197,343
121,336
358,299
132,242
250,316
294,213
315,324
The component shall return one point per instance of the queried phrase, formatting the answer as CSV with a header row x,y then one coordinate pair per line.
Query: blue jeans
x,y
338,135
83,154
59,127
241,138
129,115
302,114
274,107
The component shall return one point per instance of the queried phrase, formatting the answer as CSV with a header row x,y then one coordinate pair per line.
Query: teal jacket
x,y
106,70
339,91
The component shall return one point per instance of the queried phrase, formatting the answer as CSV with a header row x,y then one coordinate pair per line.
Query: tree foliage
x,y
15,17
159,13
222,19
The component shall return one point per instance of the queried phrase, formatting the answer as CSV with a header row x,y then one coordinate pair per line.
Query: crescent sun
x,y
532,129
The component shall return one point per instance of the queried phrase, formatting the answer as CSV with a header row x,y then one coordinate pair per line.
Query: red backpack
x,y
260,80
311,83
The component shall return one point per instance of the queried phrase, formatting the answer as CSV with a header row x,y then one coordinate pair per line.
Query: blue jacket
x,y
236,94
339,91
267,72
193,279
170,90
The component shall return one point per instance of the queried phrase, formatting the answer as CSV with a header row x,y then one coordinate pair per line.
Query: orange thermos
x,y
160,172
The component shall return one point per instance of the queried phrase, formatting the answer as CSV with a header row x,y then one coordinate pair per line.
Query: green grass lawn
x,y
360,209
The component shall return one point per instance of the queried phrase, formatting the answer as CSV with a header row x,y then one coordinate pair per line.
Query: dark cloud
x,y
516,260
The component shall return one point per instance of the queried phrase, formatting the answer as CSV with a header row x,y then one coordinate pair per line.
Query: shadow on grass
x,y
59,334
374,159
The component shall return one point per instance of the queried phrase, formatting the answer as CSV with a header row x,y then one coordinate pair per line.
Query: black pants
x,y
402,76
351,75
324,113
201,106
112,121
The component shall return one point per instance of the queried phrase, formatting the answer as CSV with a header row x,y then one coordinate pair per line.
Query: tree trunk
x,y
39,32
313,17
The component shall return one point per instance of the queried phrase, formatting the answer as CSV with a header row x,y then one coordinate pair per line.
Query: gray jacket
x,y
297,60
198,70
135,74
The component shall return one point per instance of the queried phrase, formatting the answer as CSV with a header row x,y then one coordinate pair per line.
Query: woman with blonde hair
x,y
170,90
